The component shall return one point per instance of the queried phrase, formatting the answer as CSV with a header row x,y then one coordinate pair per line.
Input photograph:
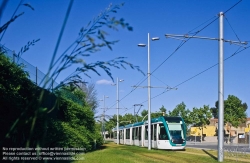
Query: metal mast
x,y
220,80
149,98
117,123
221,92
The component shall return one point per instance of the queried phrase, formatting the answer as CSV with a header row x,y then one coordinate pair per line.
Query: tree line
x,y
64,118
234,114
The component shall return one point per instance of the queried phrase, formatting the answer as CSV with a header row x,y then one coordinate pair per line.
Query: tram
x,y
166,133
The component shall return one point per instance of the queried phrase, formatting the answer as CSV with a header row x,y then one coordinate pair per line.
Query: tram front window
x,y
176,133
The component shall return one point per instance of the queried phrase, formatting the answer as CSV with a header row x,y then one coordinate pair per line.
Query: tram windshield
x,y
176,132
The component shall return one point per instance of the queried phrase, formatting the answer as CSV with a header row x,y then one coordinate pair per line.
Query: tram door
x,y
163,140
140,135
146,137
121,136
153,135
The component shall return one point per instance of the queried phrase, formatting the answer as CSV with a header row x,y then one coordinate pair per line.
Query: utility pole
x,y
103,118
117,108
220,81
117,116
220,149
149,89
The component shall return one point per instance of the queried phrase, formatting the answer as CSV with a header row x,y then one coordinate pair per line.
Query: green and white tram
x,y
166,133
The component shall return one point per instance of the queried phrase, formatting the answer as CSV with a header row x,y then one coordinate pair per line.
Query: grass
x,y
112,153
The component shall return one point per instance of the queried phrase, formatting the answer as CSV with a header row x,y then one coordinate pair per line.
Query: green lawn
x,y
112,153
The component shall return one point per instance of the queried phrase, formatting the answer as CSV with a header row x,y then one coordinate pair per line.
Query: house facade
x,y
233,134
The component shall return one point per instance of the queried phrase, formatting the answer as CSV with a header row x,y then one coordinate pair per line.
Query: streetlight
x,y
117,107
103,125
149,89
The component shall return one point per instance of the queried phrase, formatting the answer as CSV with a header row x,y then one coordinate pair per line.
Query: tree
x,y
127,119
156,114
90,94
18,98
111,123
83,92
235,112
180,110
215,109
76,126
163,110
144,113
201,117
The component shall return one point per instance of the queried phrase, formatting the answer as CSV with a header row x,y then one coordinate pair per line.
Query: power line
x,y
160,80
201,25
138,84
232,7
232,29
180,45
235,53
183,42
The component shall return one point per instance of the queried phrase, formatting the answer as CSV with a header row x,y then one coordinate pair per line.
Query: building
x,y
209,133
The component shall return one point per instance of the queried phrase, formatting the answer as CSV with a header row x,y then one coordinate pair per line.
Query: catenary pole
x,y
117,104
149,98
220,80
221,92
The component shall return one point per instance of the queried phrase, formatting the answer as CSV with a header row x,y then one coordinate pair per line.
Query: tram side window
x,y
136,133
114,134
139,133
155,126
152,129
121,134
127,133
146,132
163,134
133,133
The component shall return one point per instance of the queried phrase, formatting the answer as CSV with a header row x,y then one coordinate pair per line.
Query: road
x,y
241,148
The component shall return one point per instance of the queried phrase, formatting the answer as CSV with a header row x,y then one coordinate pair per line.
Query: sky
x,y
169,67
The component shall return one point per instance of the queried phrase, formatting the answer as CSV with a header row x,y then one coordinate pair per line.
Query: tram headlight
x,y
177,140
174,140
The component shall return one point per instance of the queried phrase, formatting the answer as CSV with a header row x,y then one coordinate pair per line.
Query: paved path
x,y
213,145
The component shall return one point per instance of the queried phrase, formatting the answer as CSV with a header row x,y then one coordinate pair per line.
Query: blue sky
x,y
157,18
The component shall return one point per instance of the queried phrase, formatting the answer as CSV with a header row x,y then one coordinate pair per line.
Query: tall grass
x,y
90,39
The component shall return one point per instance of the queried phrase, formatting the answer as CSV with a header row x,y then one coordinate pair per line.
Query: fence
x,y
37,76
232,139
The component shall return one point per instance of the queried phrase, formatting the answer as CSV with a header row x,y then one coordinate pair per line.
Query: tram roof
x,y
159,119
